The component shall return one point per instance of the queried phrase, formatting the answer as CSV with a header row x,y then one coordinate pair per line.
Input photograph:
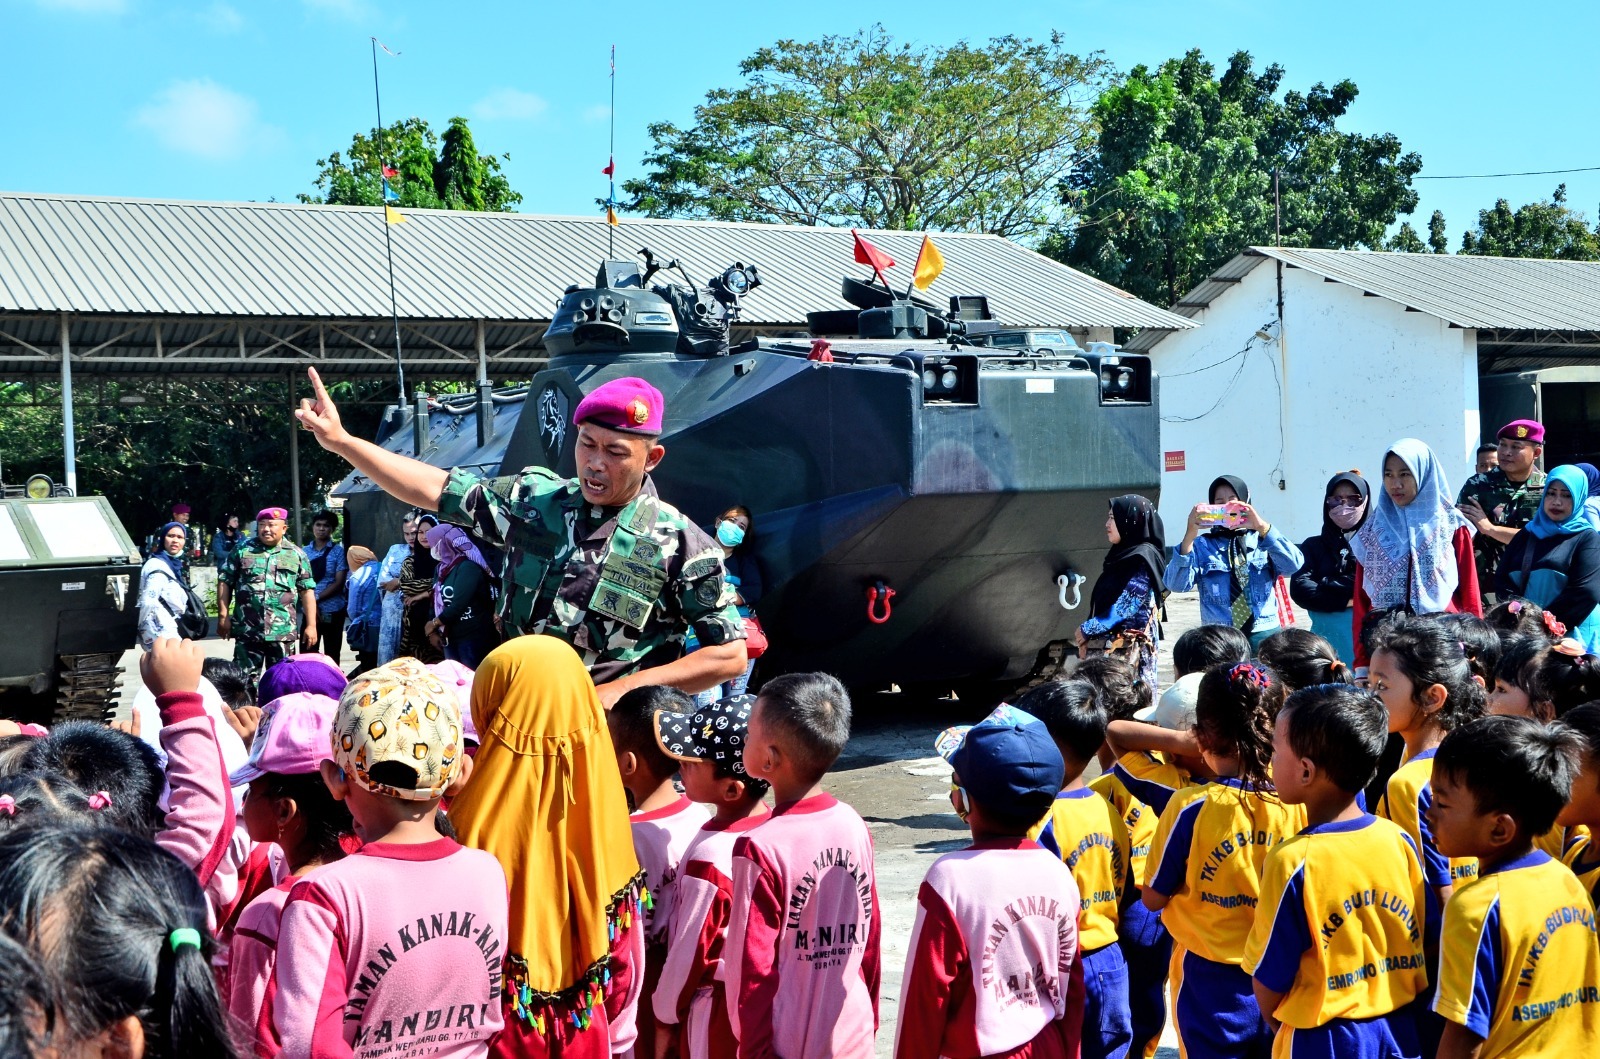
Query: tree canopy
x,y
1181,177
434,172
1539,229
860,130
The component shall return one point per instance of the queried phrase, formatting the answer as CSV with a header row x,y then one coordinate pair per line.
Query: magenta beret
x,y
1523,430
630,405
272,512
181,509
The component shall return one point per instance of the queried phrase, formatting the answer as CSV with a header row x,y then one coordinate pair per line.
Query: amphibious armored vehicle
x,y
927,509
69,574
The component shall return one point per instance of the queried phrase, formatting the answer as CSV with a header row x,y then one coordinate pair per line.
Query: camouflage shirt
x,y
1506,504
266,584
622,586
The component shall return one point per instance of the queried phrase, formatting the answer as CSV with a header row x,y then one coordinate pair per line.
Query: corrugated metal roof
x,y
137,256
1488,293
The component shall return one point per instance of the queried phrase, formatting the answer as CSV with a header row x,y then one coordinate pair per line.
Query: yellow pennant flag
x,y
611,216
393,216
929,264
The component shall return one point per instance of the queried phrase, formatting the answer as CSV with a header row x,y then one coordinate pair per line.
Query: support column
x,y
483,355
69,434
294,461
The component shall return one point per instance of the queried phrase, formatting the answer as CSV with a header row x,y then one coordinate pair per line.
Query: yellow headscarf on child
x,y
545,798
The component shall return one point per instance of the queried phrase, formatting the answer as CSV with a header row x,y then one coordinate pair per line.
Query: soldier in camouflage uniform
x,y
1503,499
263,579
598,560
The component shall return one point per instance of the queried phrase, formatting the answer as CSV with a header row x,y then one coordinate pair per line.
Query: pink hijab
x,y
451,546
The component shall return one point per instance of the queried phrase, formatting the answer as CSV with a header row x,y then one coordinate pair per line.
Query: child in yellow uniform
x,y
1519,974
1580,817
1089,835
1204,869
1421,673
1336,949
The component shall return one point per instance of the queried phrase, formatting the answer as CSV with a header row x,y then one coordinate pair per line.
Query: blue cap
x,y
1005,756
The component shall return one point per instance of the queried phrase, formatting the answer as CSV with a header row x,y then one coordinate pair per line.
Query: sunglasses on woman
x,y
1343,501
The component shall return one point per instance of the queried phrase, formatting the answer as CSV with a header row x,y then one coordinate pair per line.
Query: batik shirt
x,y
1506,504
266,584
622,586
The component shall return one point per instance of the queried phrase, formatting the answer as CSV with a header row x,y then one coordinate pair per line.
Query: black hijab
x,y
1359,484
423,564
1142,548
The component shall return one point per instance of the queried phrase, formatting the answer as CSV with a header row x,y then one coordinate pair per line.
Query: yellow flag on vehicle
x,y
929,264
393,216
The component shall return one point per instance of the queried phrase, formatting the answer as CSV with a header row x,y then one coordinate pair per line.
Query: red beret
x,y
629,405
180,509
1523,430
272,512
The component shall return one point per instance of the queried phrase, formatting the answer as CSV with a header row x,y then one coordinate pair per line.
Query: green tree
x,y
432,172
860,130
1438,237
1182,176
1406,241
1539,229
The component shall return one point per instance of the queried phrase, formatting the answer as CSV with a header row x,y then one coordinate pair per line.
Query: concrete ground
x,y
890,774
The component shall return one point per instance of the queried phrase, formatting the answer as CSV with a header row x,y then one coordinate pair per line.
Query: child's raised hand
x,y
172,665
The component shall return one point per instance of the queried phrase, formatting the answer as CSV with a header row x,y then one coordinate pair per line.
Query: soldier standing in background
x,y
1500,501
263,579
599,560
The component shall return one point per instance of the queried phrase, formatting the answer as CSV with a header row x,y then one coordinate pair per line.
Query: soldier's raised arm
x,y
407,480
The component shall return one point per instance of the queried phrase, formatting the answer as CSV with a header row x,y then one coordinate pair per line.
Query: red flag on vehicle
x,y
390,173
867,254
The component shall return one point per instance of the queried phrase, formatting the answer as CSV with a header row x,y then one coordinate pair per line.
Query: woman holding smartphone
x,y
1236,558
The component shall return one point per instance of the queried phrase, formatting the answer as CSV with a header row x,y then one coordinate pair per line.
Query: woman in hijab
x,y
546,799
462,597
162,597
1415,549
417,580
1122,608
1237,558
1592,473
394,604
1326,585
1555,560
364,603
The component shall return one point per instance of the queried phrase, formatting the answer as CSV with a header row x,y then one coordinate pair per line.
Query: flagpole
x,y
388,237
611,199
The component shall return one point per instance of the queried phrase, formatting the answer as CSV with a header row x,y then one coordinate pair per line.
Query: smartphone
x,y
1221,515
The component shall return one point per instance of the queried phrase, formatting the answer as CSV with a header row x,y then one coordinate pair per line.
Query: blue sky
x,y
236,99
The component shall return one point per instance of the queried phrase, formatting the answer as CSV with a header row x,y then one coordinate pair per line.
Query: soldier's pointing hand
x,y
320,415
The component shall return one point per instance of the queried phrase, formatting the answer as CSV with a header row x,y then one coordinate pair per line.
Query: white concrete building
x,y
1311,362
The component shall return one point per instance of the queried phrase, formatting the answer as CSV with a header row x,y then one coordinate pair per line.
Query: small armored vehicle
x,y
927,508
69,573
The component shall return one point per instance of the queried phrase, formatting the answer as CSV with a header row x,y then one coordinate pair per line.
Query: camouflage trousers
x,y
256,656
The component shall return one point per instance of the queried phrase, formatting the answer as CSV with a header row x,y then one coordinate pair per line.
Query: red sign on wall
x,y
1175,460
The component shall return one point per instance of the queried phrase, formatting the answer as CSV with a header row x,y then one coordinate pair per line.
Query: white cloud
x,y
84,7
222,18
204,119
597,113
351,10
509,104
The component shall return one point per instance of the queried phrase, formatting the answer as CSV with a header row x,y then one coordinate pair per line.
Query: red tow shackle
x,y
876,592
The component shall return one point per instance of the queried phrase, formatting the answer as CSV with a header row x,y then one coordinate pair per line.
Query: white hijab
x,y
1407,554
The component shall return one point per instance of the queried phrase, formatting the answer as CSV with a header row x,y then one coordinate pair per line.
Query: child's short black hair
x,y
1516,651
1208,646
1516,616
1018,815
633,724
327,516
1563,676
1584,721
1513,765
1488,447
230,682
1302,659
1478,639
1341,728
1071,710
327,819
1375,626
811,714
97,758
1122,691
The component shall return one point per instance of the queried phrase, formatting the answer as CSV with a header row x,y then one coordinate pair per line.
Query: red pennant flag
x,y
867,254
390,173
611,168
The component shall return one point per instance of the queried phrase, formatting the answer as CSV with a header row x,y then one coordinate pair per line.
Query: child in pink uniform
x,y
290,808
993,966
690,1002
802,967
664,822
396,950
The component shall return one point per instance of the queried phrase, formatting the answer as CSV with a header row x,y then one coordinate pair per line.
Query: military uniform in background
x,y
622,586
1507,504
266,584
